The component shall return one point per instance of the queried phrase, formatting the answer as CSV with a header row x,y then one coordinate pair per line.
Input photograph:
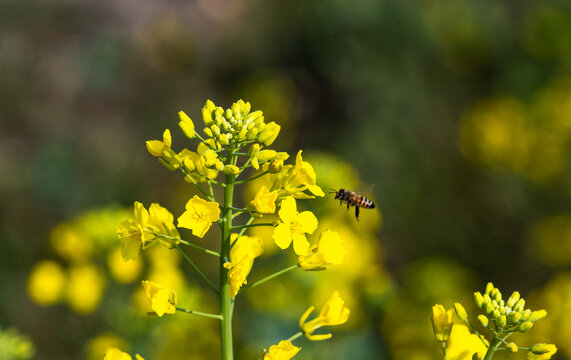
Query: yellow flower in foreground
x,y
463,344
329,250
142,231
541,351
333,312
295,179
46,283
441,322
264,202
113,353
163,300
293,227
282,351
199,215
242,258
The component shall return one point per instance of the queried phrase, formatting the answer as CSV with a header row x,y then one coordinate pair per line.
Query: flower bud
x,y
207,131
512,347
254,149
269,134
514,317
228,114
542,349
251,134
236,107
460,311
215,129
525,326
495,314
514,298
502,320
231,170
497,295
479,299
266,155
186,125
537,315
242,134
441,323
525,315
207,116
483,320
489,288
488,308
224,139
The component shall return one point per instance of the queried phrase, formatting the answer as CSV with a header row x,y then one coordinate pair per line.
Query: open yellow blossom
x,y
293,227
463,344
541,351
329,250
199,215
242,258
146,227
295,179
46,283
282,351
163,300
264,202
333,312
113,353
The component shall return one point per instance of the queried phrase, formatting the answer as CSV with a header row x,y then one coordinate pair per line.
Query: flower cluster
x,y
220,154
501,318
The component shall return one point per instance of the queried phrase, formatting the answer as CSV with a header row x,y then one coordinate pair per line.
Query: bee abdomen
x,y
366,203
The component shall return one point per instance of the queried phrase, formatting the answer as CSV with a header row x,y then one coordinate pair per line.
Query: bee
x,y
351,198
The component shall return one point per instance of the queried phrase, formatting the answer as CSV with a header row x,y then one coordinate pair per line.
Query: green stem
x,y
252,178
444,350
226,302
269,277
251,225
199,313
476,332
187,243
295,336
493,347
193,265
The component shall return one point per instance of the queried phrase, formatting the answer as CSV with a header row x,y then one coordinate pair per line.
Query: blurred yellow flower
x,y
333,312
69,243
163,300
113,353
46,283
441,322
463,344
264,202
293,227
199,215
541,351
242,258
186,125
329,250
282,351
85,287
145,228
99,344
123,271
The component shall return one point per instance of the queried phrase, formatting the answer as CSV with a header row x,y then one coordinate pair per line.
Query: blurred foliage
x,y
456,115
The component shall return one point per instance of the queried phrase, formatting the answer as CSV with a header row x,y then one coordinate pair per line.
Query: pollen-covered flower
x,y
264,202
242,258
199,215
333,312
541,351
146,227
441,322
113,353
282,351
163,300
329,250
293,227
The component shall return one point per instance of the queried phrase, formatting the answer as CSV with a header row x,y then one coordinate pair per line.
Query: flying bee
x,y
351,198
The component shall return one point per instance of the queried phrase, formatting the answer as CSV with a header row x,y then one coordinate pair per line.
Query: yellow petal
x,y
282,236
307,222
288,210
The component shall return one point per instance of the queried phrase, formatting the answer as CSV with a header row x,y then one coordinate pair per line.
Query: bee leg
x,y
348,206
357,212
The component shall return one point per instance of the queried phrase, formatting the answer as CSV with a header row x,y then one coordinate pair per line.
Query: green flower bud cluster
x,y
507,316
237,124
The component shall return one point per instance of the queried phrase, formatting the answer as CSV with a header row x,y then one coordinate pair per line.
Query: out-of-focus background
x,y
453,116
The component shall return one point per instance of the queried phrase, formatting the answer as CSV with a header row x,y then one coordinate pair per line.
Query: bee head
x,y
339,194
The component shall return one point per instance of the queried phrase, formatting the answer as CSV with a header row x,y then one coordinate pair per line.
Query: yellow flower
x,y
186,125
463,344
441,322
282,351
145,228
242,258
123,271
295,179
113,353
541,351
333,312
199,215
163,300
329,250
294,226
162,150
264,202
85,287
46,283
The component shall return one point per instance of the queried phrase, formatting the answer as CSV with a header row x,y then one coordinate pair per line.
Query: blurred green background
x,y
453,116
